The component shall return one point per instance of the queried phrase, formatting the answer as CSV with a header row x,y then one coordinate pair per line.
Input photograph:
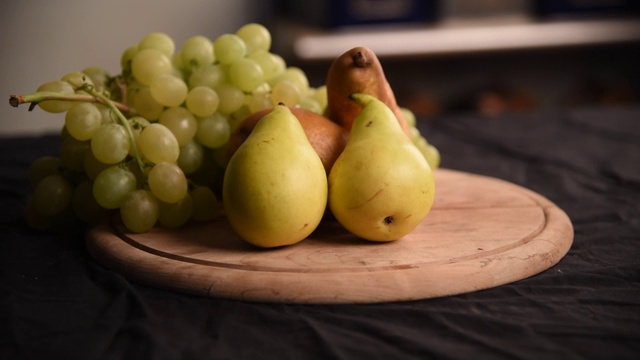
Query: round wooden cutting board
x,y
482,232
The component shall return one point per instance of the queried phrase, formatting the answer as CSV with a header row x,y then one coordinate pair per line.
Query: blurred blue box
x,y
339,13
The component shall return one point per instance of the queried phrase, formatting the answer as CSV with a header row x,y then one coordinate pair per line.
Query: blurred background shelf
x,y
308,43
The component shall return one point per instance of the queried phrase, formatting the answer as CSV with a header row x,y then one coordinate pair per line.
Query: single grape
x,y
112,185
296,76
43,167
320,95
255,36
110,144
202,101
229,48
158,41
211,75
167,182
213,131
92,166
191,157
127,57
158,144
197,51
231,98
168,90
149,63
181,122
246,74
72,153
82,120
310,104
145,104
409,116
259,100
99,76
52,195
272,65
177,214
139,211
205,204
77,79
60,87
285,92
85,206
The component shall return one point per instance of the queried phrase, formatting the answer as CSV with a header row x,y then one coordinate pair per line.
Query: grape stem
x,y
35,98
125,123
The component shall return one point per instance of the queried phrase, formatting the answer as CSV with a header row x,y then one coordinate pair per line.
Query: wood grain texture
x,y
482,232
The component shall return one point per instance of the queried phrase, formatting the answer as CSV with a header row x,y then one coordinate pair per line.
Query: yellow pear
x,y
381,186
275,186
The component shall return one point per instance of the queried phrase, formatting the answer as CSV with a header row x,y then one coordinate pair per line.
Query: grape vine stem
x,y
35,98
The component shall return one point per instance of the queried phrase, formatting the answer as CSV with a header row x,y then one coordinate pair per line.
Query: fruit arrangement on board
x,y
225,127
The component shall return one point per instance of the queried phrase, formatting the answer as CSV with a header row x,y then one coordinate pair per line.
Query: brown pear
x,y
357,71
327,138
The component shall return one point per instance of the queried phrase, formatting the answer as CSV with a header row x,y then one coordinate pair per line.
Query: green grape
x,y
202,101
197,51
272,65
414,134
112,185
43,167
167,182
60,87
145,104
82,120
85,206
231,98
320,95
191,157
158,41
213,131
259,100
72,153
149,63
429,151
310,104
209,173
207,75
296,76
52,195
285,92
409,116
137,123
168,90
177,214
127,57
140,210
205,204
246,74
158,144
77,79
229,48
255,36
181,122
98,76
92,166
110,144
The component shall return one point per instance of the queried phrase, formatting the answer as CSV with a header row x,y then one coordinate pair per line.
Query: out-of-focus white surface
x,y
43,40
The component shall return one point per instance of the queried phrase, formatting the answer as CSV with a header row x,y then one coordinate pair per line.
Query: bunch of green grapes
x,y
150,143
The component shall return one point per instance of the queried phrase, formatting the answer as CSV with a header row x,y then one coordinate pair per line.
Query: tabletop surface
x,y
57,301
